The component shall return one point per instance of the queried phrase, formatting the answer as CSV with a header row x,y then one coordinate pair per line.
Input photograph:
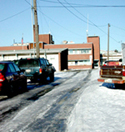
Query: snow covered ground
x,y
99,109
49,112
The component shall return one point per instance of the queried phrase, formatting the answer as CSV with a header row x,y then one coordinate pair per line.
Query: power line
x,y
14,15
118,27
78,12
85,17
55,2
59,24
84,6
44,18
71,6
28,2
72,12
75,14
53,20
80,5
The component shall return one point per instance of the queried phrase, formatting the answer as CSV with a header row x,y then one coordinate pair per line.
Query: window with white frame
x,y
79,51
79,62
70,51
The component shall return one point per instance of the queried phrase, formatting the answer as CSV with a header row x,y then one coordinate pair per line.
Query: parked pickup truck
x,y
114,71
112,74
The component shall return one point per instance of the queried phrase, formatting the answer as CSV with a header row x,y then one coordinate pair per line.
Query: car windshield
x,y
2,66
29,63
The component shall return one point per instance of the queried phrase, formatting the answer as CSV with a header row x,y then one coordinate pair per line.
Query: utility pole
x,y
108,43
32,26
36,29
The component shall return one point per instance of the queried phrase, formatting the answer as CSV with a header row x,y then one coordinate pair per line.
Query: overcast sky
x,y
65,20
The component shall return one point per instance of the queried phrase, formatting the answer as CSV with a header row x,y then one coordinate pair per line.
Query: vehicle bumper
x,y
111,80
33,78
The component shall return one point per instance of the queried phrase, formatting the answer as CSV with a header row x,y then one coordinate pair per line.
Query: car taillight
x,y
123,72
2,78
0,86
40,70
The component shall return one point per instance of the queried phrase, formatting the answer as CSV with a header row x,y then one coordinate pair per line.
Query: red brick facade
x,y
14,48
46,42
96,45
46,38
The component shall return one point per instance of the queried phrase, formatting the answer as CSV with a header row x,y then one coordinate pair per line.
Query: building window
x,y
79,51
75,51
85,51
70,51
79,62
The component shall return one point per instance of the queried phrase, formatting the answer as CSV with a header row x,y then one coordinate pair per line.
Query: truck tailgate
x,y
111,72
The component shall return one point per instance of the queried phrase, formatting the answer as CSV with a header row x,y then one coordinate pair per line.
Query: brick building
x,y
77,55
80,55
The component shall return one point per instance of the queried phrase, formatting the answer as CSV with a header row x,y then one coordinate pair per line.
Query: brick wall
x,y
46,38
14,48
80,67
75,56
69,46
96,43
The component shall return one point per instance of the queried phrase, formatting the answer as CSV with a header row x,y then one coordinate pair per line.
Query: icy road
x,y
75,102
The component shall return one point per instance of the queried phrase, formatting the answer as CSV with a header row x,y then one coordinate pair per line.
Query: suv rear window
x,y
2,66
29,63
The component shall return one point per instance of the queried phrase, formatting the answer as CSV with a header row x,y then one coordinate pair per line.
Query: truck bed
x,y
112,74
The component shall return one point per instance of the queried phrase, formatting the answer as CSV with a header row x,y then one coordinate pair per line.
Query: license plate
x,y
117,72
28,70
108,80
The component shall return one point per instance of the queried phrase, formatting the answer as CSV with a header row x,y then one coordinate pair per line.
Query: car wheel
x,y
52,77
43,79
11,91
24,86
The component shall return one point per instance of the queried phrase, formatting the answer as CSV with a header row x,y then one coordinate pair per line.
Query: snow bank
x,y
99,109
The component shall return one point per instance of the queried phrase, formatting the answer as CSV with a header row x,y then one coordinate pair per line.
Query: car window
x,y
29,63
2,66
42,62
47,62
12,68
8,69
16,67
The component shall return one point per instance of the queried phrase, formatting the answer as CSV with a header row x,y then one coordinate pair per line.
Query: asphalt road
x,y
44,107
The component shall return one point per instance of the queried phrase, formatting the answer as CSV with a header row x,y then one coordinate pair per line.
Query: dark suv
x,y
37,69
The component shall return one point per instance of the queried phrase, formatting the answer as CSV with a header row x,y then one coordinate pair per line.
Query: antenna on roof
x,y
13,41
49,28
87,26
22,39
